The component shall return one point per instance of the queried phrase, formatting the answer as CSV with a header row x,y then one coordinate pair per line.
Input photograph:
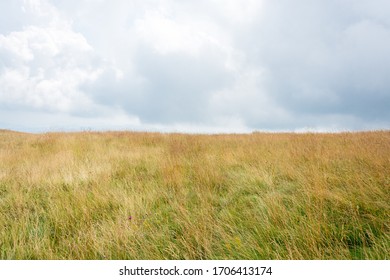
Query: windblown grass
x,y
120,195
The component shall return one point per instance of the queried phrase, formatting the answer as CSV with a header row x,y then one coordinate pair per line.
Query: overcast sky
x,y
195,65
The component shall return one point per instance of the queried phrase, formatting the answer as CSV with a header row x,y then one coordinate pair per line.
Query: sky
x,y
195,66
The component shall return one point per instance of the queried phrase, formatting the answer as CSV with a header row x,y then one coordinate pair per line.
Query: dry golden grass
x,y
120,195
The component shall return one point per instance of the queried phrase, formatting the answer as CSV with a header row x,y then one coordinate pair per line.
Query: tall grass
x,y
122,195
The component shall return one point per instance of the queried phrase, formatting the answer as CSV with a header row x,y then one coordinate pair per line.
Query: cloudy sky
x,y
195,65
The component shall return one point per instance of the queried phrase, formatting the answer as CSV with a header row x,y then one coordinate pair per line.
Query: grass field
x,y
122,195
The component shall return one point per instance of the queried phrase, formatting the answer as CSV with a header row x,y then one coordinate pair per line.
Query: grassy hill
x,y
122,195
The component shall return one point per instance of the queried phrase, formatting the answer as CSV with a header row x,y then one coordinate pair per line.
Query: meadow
x,y
129,195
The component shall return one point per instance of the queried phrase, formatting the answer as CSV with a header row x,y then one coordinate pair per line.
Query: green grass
x,y
258,196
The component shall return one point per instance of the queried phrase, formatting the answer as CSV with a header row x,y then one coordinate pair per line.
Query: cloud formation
x,y
195,66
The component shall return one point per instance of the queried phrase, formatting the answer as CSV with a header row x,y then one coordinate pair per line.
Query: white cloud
x,y
46,65
167,36
46,68
23,45
239,12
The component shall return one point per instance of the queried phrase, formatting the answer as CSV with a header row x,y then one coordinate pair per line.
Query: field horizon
x,y
151,195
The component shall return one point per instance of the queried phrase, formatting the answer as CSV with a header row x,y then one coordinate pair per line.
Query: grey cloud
x,y
178,86
175,88
325,58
